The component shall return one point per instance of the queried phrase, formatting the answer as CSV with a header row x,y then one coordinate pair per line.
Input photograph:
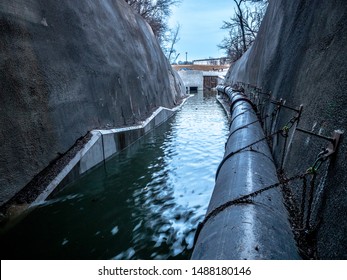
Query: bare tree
x,y
242,27
155,12
171,40
232,45
240,18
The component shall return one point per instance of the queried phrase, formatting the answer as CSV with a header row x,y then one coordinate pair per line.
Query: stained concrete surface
x,y
300,55
67,67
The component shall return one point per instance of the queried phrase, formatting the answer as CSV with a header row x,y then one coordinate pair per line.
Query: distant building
x,y
213,61
195,80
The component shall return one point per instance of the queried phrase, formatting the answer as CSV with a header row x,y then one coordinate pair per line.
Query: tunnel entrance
x,y
193,89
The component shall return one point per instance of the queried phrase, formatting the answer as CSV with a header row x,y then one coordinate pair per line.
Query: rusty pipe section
x,y
255,229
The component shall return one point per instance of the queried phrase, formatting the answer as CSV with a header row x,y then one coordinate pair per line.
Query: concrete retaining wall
x,y
192,78
103,145
300,56
195,78
66,68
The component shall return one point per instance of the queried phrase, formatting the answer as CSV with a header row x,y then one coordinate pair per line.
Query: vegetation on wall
x,y
156,13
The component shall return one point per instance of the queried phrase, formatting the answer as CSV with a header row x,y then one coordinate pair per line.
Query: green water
x,y
145,203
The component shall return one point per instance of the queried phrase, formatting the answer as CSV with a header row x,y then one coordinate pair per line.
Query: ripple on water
x,y
145,203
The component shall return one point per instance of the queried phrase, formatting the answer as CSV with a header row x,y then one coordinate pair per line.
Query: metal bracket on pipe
x,y
334,143
333,140
282,104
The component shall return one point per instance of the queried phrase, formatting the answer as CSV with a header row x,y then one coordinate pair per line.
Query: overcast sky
x,y
200,31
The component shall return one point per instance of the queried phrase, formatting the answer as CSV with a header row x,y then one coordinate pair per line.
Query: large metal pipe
x,y
254,229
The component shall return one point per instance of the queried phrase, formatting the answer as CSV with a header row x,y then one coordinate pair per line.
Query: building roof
x,y
201,67
207,59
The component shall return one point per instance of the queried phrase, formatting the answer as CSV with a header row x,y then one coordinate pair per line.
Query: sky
x,y
200,30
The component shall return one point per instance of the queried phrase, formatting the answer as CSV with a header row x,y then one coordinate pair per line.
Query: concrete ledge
x,y
224,104
103,145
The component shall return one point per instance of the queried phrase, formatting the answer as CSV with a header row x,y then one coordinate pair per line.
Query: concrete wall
x,y
103,145
194,78
66,68
300,55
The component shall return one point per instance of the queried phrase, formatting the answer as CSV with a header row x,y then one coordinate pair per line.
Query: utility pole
x,y
186,57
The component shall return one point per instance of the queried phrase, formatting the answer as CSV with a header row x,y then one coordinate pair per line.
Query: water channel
x,y
145,203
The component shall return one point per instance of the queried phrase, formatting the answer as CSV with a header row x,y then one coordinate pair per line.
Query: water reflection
x,y
144,204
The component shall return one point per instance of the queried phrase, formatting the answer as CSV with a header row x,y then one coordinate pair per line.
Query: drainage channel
x,y
144,203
